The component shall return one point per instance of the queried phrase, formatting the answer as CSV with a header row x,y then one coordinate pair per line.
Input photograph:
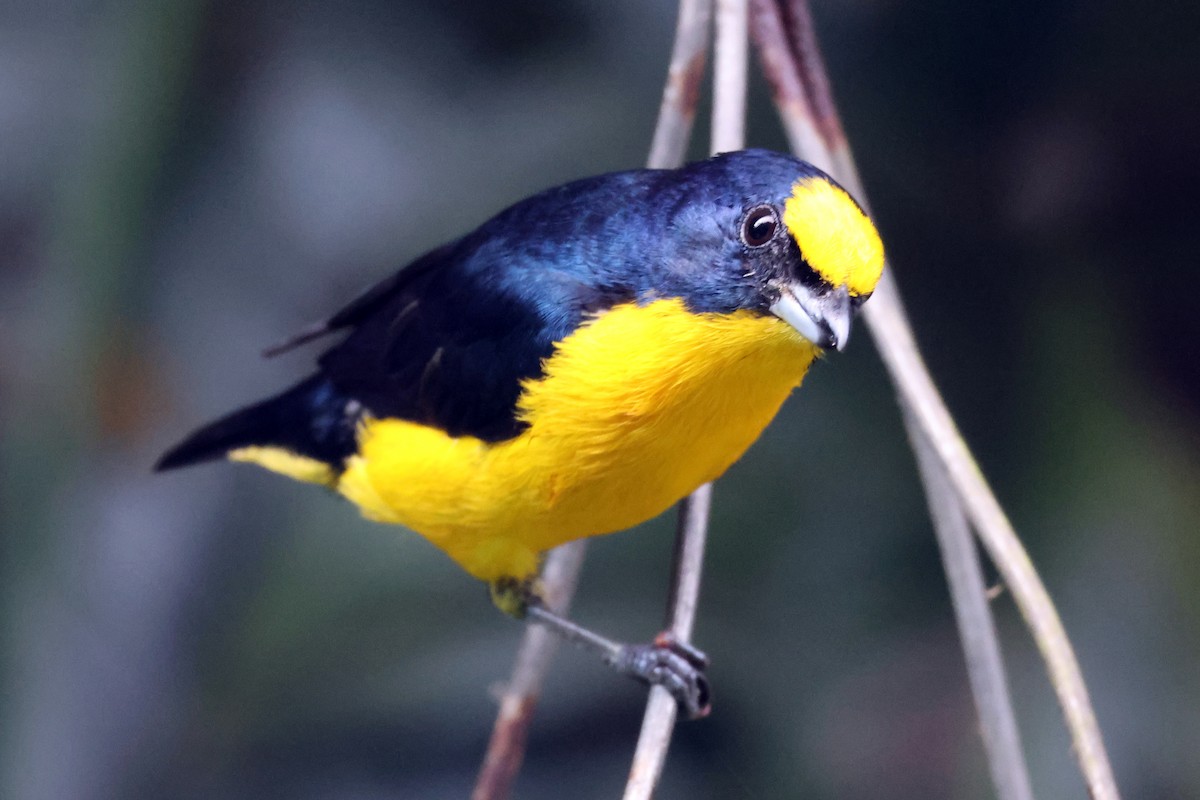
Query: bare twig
x,y
929,418
728,133
661,709
730,65
981,645
681,93
506,748
778,36
788,44
795,69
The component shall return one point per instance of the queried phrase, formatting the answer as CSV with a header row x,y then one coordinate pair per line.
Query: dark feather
x,y
310,419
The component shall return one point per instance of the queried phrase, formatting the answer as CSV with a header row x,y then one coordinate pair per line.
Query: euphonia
x,y
572,367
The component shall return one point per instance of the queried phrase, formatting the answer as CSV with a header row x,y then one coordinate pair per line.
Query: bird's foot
x,y
514,596
676,666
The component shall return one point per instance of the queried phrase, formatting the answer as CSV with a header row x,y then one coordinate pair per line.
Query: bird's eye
x,y
759,226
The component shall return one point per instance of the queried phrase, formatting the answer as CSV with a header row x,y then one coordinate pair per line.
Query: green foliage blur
x,y
184,183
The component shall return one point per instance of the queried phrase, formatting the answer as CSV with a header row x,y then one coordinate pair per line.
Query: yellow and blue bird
x,y
572,367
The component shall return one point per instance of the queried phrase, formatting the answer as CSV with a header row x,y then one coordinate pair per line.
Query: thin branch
x,y
688,562
776,37
929,418
506,748
682,90
795,69
730,65
658,723
981,645
728,133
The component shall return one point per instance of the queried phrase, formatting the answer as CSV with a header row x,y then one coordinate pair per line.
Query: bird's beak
x,y
820,315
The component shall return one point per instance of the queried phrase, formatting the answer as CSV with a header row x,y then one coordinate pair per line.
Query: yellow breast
x,y
635,410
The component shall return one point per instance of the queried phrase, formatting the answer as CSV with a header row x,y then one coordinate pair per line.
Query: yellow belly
x,y
634,411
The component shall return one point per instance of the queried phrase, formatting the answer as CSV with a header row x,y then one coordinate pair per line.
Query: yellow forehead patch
x,y
835,237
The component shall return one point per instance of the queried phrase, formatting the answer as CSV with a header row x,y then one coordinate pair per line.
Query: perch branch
x,y
506,748
728,133
658,723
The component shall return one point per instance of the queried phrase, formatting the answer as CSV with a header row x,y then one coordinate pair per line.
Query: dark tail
x,y
309,419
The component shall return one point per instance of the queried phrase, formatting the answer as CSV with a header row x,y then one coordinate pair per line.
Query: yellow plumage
x,y
574,303
636,408
632,410
285,462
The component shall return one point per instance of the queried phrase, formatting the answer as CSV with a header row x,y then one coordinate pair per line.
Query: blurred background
x,y
185,182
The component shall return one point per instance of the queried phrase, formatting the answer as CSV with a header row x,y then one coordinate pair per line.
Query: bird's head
x,y
794,244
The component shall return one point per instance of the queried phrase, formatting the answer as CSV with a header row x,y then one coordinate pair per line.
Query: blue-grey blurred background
x,y
185,182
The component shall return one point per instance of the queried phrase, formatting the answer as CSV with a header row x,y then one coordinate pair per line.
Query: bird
x,y
572,367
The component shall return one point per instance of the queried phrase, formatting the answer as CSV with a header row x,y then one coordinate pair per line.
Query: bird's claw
x,y
676,666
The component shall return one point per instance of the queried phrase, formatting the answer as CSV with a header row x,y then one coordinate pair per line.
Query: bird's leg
x,y
676,666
